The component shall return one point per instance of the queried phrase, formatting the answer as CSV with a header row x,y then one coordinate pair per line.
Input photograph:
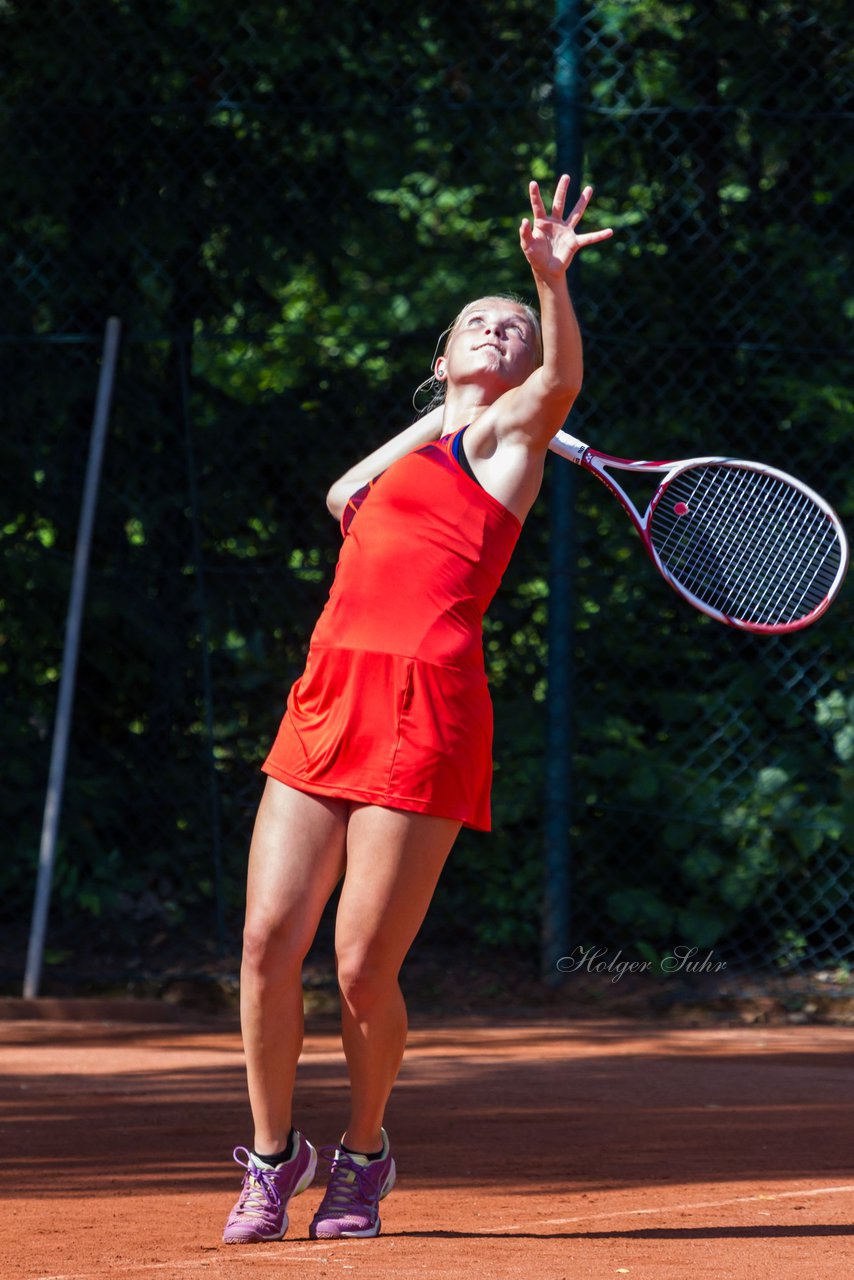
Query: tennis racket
x,y
749,545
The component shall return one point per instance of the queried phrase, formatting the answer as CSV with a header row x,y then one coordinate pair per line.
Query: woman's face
x,y
493,341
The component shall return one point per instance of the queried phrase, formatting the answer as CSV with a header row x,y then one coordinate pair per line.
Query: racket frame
x,y
597,462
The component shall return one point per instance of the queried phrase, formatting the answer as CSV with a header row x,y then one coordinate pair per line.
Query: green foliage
x,y
285,212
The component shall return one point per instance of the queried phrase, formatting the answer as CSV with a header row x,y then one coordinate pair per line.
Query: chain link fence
x,y
285,211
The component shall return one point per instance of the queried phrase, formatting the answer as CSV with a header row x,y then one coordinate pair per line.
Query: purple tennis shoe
x,y
351,1206
261,1212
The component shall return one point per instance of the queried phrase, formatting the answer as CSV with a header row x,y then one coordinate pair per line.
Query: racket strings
x,y
751,545
795,546
776,545
741,575
765,576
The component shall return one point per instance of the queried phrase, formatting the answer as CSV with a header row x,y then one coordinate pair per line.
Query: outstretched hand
x,y
550,242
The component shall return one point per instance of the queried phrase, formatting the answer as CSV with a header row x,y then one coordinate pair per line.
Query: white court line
x,y
306,1253
680,1208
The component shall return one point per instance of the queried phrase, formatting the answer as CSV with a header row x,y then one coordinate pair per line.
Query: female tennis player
x,y
384,751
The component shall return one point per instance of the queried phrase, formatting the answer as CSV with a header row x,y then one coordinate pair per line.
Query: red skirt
x,y
380,728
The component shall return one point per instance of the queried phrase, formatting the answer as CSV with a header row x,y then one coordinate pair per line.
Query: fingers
x,y
537,207
526,234
593,237
529,232
559,202
560,196
580,207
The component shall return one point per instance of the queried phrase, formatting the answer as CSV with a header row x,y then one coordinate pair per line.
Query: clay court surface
x,y
544,1149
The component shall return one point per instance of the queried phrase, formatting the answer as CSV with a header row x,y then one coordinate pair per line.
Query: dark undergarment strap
x,y
459,450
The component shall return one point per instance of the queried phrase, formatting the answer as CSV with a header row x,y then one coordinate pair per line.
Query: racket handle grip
x,y
568,446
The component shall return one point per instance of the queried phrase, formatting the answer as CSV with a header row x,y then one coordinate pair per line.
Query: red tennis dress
x,y
393,707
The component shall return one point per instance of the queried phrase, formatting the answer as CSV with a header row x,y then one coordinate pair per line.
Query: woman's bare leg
x,y
296,859
394,860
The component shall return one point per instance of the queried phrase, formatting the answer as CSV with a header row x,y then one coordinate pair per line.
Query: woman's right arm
x,y
424,431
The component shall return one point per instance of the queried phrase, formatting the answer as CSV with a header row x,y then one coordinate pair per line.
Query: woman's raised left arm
x,y
538,408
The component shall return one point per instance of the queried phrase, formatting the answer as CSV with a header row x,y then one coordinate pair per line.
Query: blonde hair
x,y
433,385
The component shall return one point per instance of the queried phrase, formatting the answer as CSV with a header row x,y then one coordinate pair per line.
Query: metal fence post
x,y
556,896
73,625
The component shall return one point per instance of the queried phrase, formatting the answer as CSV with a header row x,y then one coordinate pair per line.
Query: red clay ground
x,y
544,1149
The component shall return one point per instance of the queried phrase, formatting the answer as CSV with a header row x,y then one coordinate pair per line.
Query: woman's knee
x,y
272,948
366,980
